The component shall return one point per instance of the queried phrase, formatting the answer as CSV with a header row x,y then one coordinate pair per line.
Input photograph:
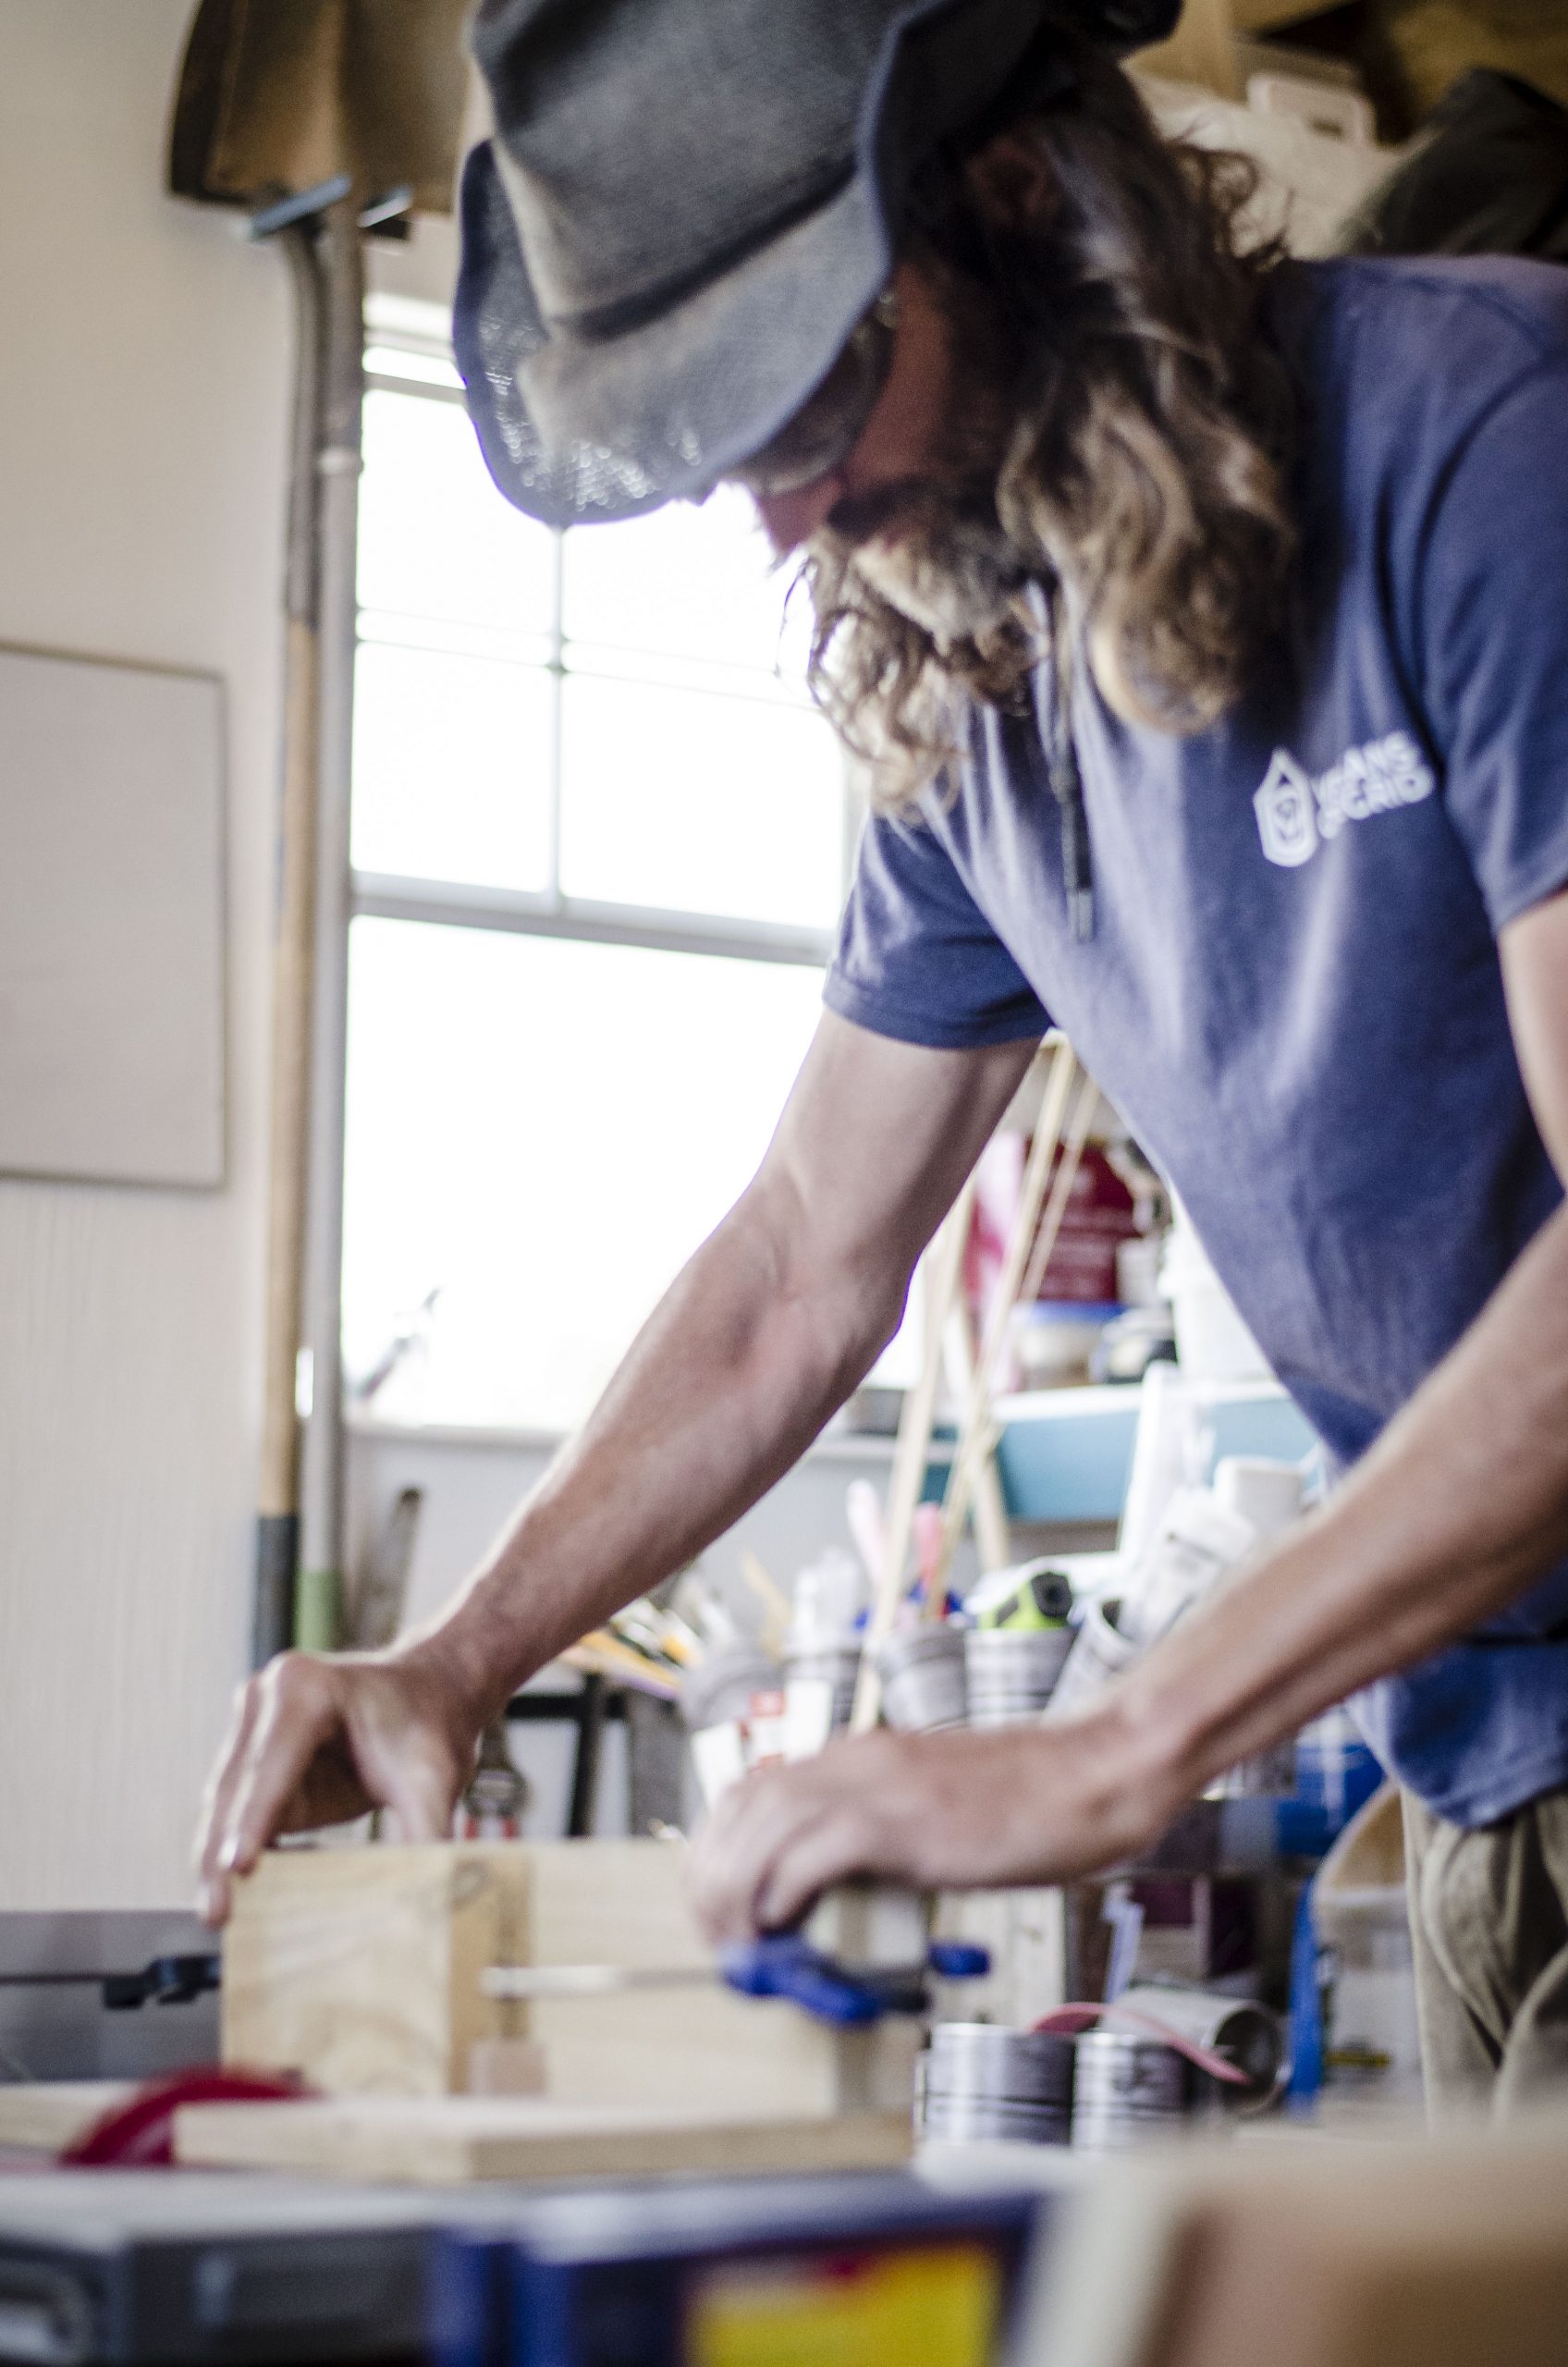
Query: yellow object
x,y
936,2306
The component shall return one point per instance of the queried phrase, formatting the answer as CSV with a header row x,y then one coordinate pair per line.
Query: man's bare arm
x,y
1458,1507
771,1325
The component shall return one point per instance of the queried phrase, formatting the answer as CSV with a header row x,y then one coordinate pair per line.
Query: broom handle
x,y
944,1263
976,1439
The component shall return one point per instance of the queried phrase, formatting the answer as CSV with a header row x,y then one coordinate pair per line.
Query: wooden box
x,y
359,1969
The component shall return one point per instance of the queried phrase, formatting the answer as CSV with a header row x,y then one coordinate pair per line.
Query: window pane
x,y
545,1130
700,803
435,537
686,582
452,768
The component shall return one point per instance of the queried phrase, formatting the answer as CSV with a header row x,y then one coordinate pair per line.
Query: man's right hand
x,y
318,1740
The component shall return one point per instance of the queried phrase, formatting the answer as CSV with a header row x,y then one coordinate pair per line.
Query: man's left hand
x,y
946,1811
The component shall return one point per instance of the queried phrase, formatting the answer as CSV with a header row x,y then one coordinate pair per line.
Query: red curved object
x,y
1071,2021
139,2134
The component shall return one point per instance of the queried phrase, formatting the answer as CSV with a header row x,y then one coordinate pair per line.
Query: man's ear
x,y
1013,182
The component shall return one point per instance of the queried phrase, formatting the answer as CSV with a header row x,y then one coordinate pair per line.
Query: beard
x,y
932,547
934,552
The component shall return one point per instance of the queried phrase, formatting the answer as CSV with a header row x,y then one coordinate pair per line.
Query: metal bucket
x,y
721,1687
981,2082
923,1685
1126,2090
838,1667
1012,1672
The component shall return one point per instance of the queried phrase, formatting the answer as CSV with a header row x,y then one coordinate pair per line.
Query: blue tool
x,y
784,1964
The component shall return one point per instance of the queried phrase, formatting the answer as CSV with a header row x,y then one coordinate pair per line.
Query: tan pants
x,y
1489,1924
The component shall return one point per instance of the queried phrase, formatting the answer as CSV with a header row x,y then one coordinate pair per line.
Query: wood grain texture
x,y
44,2116
360,1968
452,2139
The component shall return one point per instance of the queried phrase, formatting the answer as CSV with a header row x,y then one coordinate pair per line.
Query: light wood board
x,y
359,1969
44,2116
452,2139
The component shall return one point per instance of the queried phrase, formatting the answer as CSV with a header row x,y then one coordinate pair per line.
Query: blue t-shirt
x,y
1293,991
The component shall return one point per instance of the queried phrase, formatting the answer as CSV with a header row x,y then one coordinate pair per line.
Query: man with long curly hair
x,y
1201,618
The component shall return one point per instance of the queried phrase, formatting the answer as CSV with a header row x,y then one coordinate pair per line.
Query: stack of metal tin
x,y
922,1678
1012,1672
835,1667
1109,2087
983,2081
1127,2089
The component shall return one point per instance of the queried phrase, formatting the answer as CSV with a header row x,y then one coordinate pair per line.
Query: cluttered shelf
x,y
1064,1453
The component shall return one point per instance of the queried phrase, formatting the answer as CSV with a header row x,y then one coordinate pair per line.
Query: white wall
x,y
144,387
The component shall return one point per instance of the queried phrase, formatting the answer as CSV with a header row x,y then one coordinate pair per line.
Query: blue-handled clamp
x,y
782,1964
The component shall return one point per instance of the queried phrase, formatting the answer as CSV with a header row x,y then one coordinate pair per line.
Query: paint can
x,y
719,1688
1127,2089
835,1665
983,2081
924,1684
1011,1673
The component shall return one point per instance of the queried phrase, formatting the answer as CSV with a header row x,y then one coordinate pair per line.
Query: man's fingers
x,y
420,1796
298,1713
728,1861
734,1855
219,1787
826,1852
212,1895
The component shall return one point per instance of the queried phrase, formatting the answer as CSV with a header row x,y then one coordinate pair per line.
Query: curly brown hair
x,y
1141,479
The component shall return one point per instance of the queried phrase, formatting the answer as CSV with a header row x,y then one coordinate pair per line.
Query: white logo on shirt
x,y
1286,820
1294,811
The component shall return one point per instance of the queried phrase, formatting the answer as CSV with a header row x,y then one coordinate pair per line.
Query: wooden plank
x,y
453,2139
44,2116
711,2049
976,1431
613,1902
941,1273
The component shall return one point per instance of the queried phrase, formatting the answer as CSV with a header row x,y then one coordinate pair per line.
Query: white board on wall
x,y
112,1014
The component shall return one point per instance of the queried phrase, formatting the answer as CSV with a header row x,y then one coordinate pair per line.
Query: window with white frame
x,y
599,840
